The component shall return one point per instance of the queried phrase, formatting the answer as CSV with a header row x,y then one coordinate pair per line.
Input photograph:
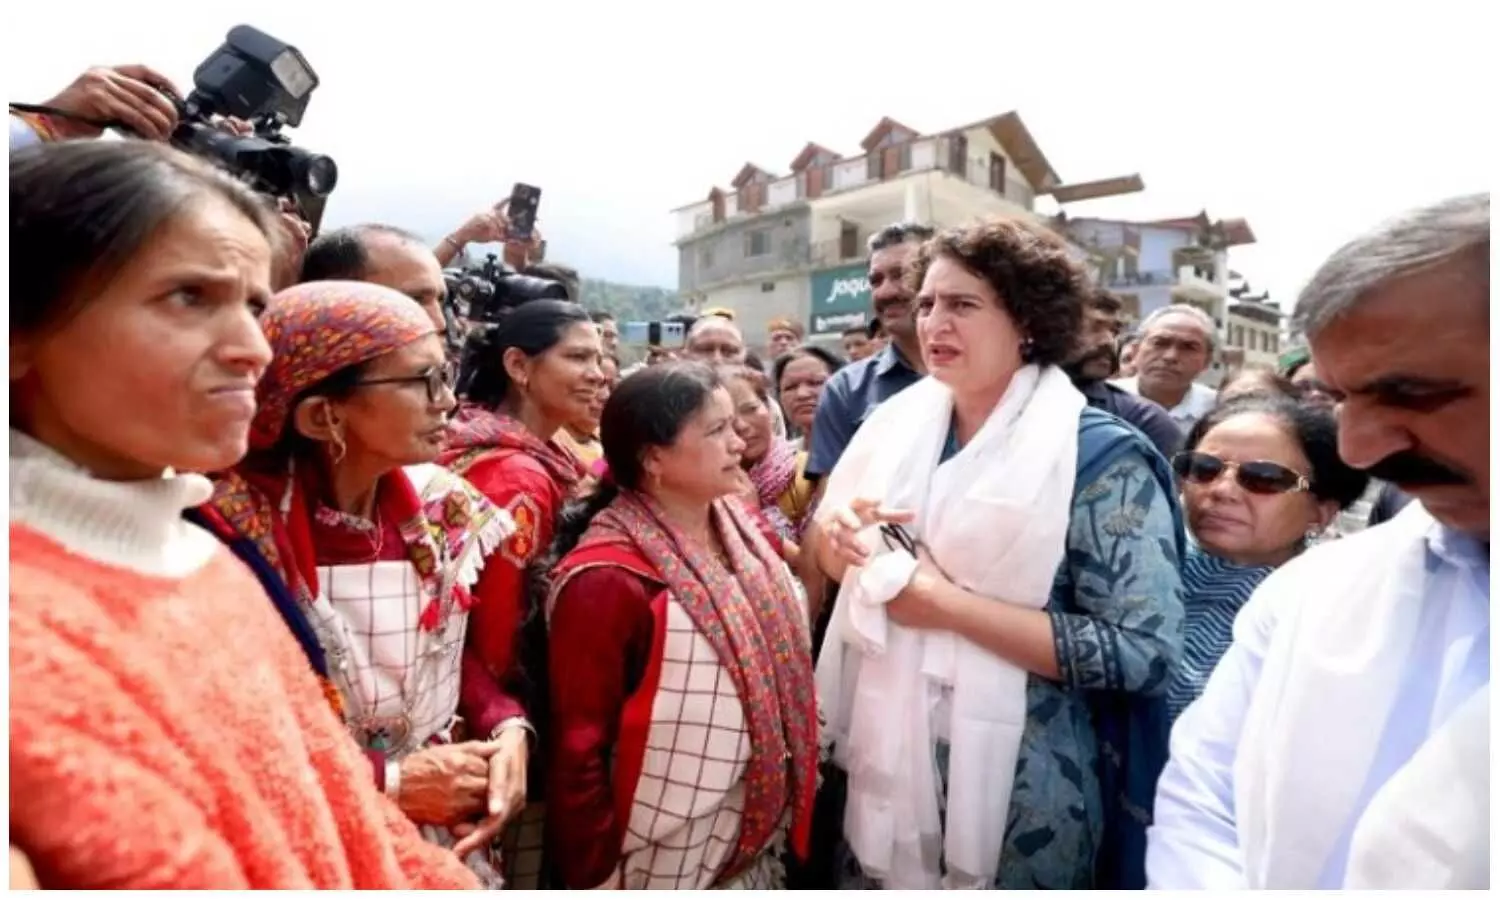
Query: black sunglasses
x,y
436,379
1259,477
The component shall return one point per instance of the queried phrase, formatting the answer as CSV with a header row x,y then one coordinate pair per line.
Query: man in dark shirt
x,y
1098,360
856,389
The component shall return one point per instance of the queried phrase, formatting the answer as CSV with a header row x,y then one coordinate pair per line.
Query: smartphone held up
x,y
521,210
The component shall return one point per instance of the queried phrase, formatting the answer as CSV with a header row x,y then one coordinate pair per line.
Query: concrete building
x,y
1150,265
1253,333
793,244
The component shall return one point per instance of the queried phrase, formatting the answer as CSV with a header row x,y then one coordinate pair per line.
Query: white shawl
x,y
995,519
1428,826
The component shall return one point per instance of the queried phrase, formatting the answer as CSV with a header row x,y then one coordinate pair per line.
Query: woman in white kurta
x,y
1008,611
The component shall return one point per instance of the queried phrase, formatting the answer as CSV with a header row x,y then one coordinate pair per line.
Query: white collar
x,y
132,524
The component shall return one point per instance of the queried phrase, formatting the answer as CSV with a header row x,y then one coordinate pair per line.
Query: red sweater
x,y
167,733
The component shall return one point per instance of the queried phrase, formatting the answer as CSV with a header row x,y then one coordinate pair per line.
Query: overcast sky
x,y
1312,123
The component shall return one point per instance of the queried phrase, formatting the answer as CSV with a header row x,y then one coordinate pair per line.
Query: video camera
x,y
267,83
483,293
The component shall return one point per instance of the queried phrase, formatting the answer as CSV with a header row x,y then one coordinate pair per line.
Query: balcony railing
x,y
1184,277
1143,279
930,154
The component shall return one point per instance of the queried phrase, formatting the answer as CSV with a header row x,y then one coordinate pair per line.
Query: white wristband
x,y
392,778
508,724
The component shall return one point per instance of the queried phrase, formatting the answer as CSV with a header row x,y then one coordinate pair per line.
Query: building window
x,y
706,258
758,243
849,241
997,173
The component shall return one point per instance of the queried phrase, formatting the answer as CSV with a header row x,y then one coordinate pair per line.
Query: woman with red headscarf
x,y
380,550
682,720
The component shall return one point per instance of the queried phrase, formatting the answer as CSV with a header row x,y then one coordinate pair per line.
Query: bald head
x,y
715,340
379,254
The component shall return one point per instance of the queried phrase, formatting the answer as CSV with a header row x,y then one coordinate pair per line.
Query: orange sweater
x,y
168,733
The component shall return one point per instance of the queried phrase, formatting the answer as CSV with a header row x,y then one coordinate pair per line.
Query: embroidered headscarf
x,y
316,330
320,328
749,615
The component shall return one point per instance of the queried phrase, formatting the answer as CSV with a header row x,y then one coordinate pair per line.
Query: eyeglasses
x,y
437,380
1259,477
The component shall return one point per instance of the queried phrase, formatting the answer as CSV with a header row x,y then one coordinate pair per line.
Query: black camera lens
x,y
320,175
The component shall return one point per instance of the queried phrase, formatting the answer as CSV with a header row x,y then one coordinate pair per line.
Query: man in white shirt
x,y
1176,346
1343,741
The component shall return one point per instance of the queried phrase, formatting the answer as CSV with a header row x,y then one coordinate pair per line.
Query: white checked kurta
x,y
685,818
367,614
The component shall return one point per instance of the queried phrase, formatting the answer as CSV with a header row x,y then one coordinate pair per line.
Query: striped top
x,y
1213,591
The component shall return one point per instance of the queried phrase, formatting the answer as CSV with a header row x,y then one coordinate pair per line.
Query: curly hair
x,y
1040,286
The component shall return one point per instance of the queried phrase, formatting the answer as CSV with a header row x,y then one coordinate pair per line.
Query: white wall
x,y
981,144
781,192
689,219
754,307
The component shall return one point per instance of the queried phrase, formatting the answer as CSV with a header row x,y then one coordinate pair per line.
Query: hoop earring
x,y
336,455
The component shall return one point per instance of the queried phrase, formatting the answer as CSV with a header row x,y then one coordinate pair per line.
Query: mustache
x,y
1412,470
1106,353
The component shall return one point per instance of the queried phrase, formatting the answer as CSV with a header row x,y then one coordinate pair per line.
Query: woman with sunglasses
x,y
1261,478
381,551
994,670
524,379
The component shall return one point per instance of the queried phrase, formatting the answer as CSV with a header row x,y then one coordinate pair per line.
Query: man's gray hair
x,y
1203,319
1417,240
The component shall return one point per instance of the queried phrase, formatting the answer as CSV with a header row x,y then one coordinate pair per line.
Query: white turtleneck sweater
x,y
136,525
165,729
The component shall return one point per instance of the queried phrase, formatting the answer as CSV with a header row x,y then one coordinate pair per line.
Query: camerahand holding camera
x,y
252,78
481,294
267,83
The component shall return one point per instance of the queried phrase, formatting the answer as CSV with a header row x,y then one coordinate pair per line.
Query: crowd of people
x,y
306,594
